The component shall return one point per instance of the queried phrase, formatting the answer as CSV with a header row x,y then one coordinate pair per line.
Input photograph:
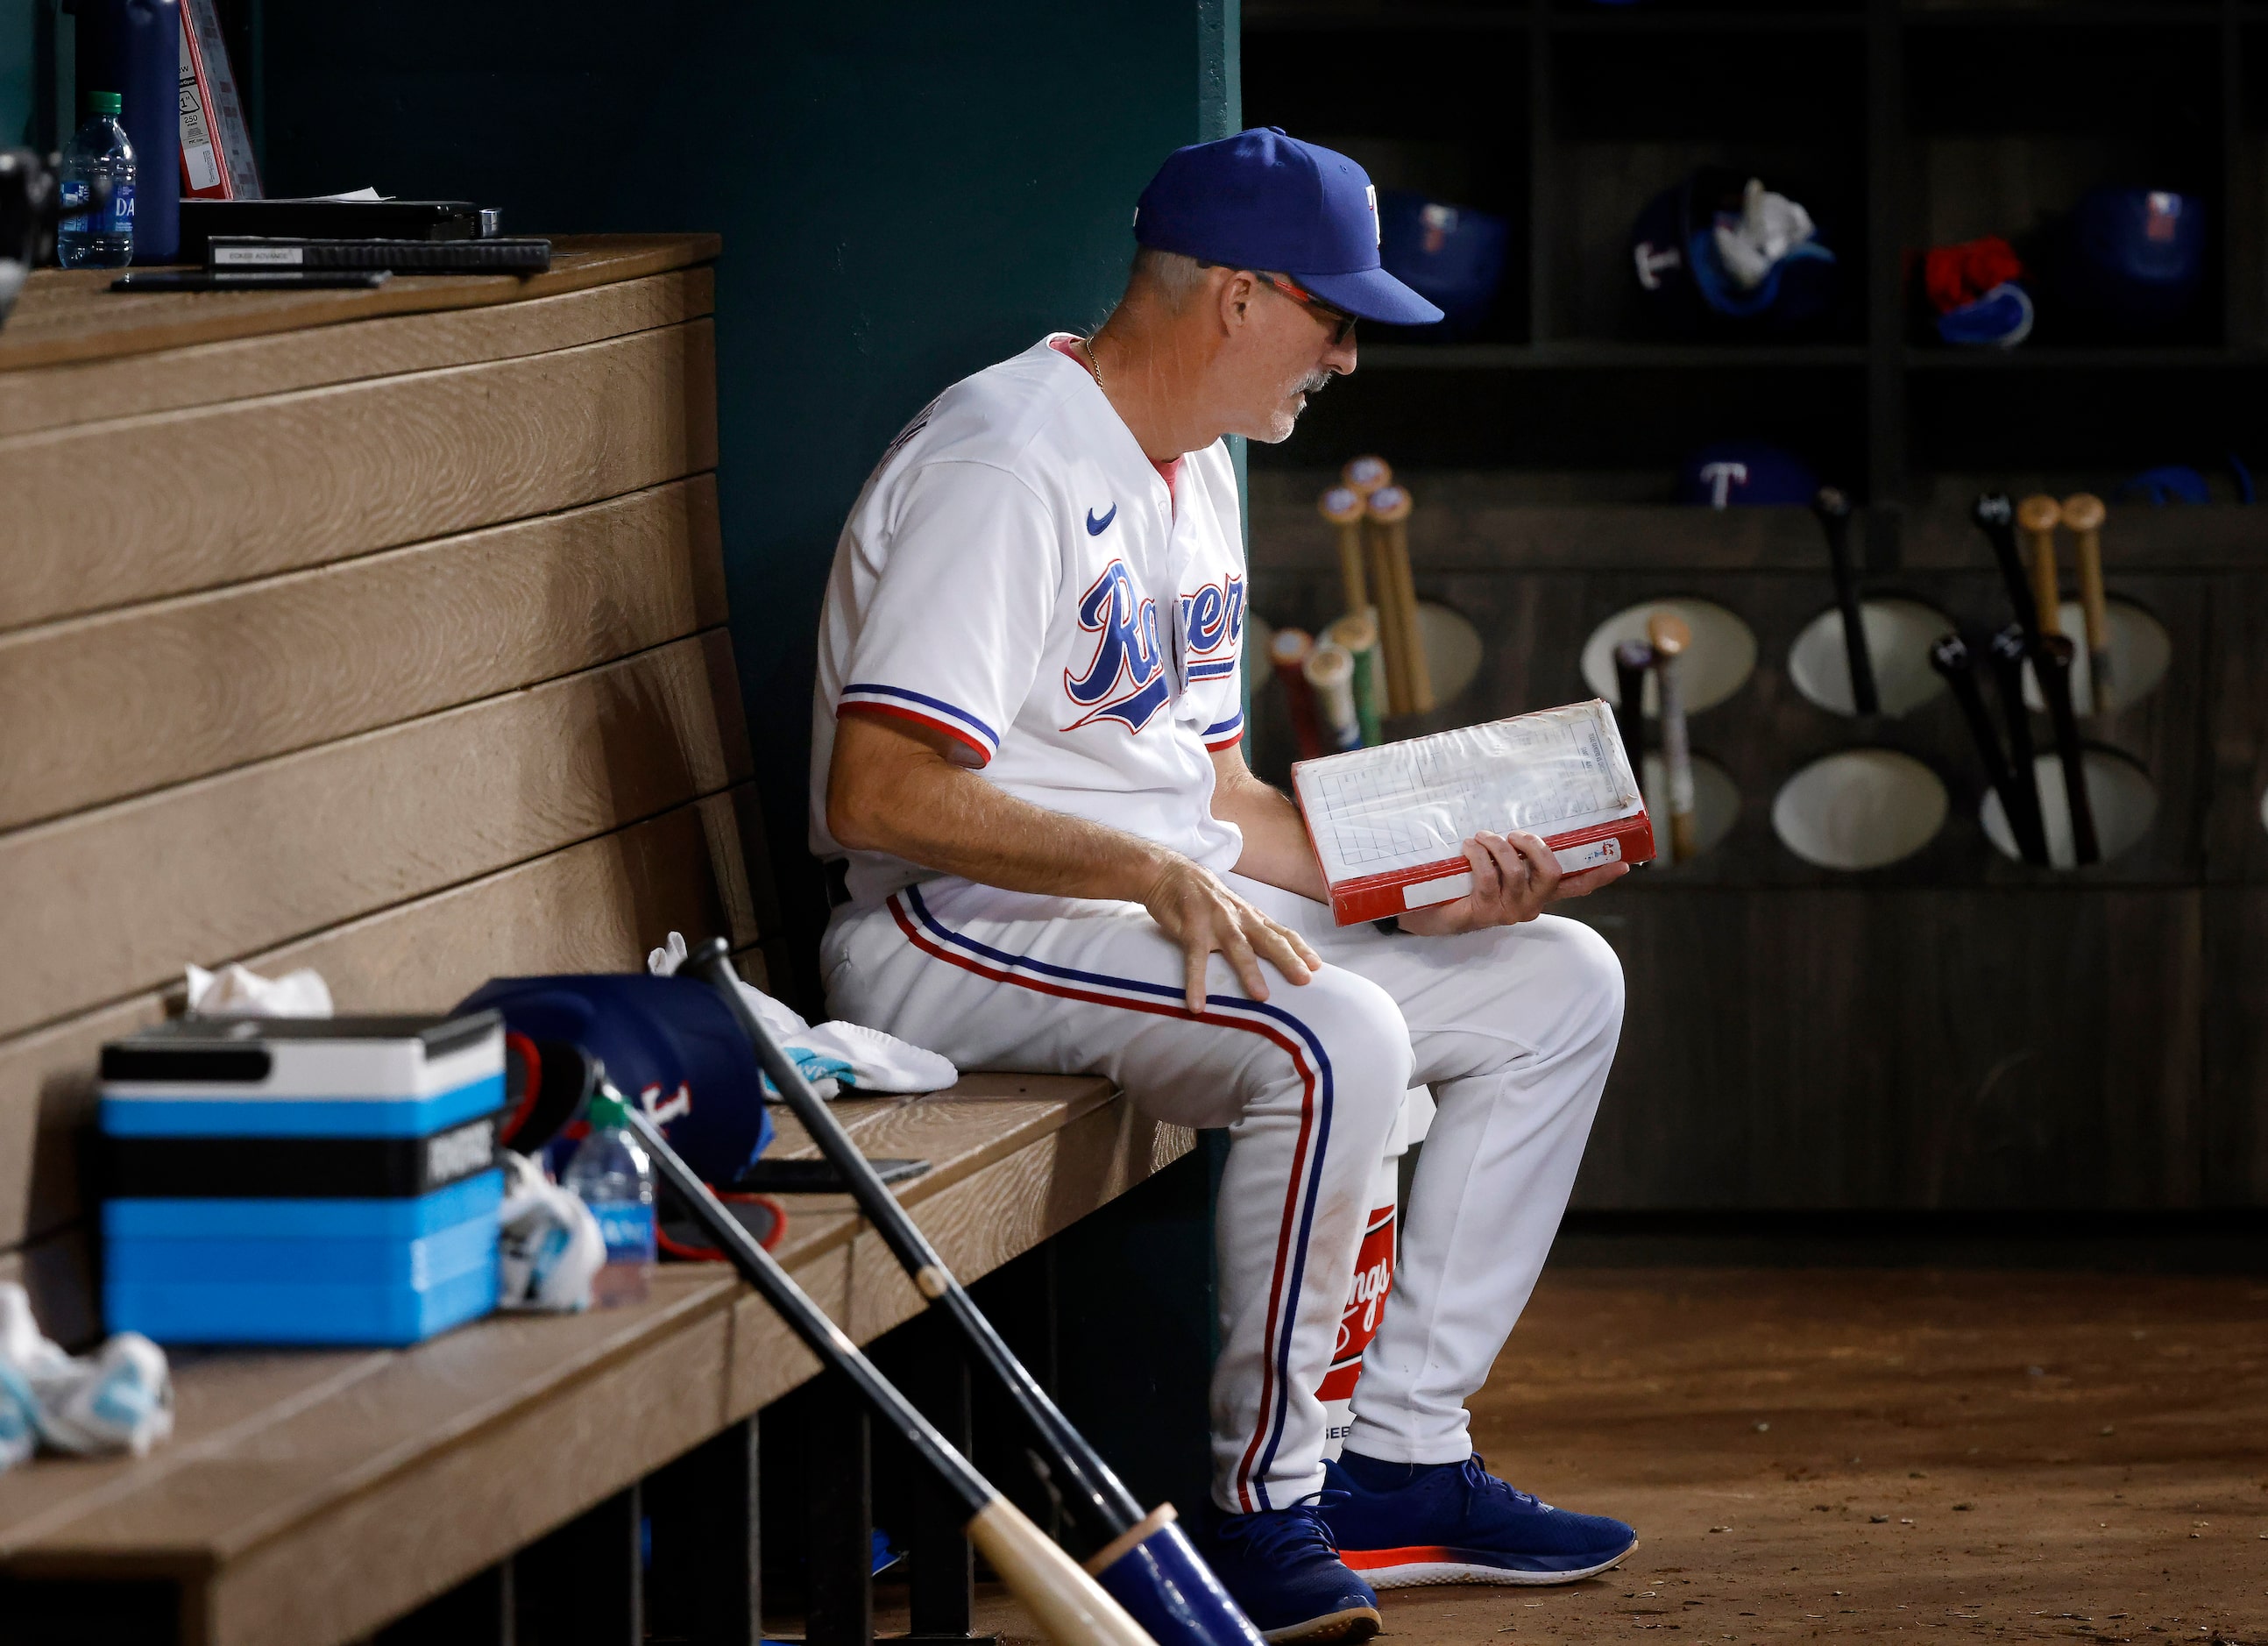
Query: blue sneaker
x,y
1281,1566
1402,1525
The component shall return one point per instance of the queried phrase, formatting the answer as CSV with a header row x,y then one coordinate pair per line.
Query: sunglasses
x,y
1342,323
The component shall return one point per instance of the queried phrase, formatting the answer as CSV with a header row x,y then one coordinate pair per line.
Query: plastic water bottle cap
x,y
608,1108
104,102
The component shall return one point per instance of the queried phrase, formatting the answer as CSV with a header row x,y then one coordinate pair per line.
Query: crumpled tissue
x,y
118,1399
849,1054
234,991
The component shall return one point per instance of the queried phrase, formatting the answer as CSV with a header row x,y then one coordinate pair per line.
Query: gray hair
x,y
1172,276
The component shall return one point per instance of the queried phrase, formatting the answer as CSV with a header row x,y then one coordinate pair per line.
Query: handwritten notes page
x,y
1408,805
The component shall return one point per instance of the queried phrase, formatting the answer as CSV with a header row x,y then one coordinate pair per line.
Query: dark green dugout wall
x,y
908,192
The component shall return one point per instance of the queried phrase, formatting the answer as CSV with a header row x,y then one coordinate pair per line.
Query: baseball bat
x,y
1632,659
1386,594
2052,664
1409,682
1363,475
2084,514
1343,507
1330,676
2039,515
1288,650
1358,634
1996,517
1957,665
1147,1565
1834,512
2006,651
1669,635
1070,1604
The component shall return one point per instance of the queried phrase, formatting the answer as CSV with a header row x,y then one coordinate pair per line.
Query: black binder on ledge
x,y
335,219
242,254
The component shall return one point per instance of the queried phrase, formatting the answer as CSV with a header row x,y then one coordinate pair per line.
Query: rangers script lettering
x,y
1128,661
1211,618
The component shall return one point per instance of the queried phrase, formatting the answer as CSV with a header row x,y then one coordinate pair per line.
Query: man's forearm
x,y
1276,849
951,820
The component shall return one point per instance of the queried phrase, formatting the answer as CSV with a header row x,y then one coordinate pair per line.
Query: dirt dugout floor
x,y
1854,1454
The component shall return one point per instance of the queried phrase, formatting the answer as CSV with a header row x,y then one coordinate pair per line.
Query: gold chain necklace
x,y
1094,366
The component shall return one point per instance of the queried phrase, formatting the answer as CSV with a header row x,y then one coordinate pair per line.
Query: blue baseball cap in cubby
x,y
1266,202
1737,474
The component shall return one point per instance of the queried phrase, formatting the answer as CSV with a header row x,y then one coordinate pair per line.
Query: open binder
x,y
1389,824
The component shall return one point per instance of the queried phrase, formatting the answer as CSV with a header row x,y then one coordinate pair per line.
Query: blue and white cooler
x,y
302,1180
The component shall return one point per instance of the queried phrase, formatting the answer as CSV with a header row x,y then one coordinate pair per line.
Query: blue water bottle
x,y
132,47
103,238
611,1175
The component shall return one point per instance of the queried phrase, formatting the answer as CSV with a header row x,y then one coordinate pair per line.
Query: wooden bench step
x,y
307,1498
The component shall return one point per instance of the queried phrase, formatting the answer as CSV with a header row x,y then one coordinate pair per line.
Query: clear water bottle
x,y
105,239
612,1175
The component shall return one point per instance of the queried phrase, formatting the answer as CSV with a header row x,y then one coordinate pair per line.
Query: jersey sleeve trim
x,y
913,706
1223,733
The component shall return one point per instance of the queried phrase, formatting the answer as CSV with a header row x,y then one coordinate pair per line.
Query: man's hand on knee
x,y
1202,915
1515,878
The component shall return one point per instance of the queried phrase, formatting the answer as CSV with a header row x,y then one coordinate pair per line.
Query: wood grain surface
x,y
598,905
219,494
109,902
2236,693
203,374
967,1124
72,315
2235,1119
102,707
1869,1048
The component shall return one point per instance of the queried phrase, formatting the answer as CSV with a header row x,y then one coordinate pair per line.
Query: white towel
x,y
118,1399
865,1060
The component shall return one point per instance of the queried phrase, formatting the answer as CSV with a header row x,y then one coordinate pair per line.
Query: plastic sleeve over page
x,y
1389,824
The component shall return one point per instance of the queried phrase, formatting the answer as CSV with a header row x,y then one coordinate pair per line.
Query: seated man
x,y
1026,752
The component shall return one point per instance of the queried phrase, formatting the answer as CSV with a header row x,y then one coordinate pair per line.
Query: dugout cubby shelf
x,y
1899,125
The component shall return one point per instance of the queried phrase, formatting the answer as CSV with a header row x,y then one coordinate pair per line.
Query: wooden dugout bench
x,y
383,632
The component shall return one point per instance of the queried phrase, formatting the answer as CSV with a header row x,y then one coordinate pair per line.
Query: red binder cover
x,y
217,160
1389,824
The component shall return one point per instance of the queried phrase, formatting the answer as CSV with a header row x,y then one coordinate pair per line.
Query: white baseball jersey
x,y
1018,575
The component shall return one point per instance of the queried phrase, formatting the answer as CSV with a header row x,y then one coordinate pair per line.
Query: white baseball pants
x,y
1513,1029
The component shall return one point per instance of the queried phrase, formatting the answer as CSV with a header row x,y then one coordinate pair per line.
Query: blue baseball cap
x,y
1264,200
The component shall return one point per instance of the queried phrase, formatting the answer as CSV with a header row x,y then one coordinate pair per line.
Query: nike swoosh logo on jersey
x,y
1096,528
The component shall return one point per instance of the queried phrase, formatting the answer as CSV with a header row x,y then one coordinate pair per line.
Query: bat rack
x,y
1953,1028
